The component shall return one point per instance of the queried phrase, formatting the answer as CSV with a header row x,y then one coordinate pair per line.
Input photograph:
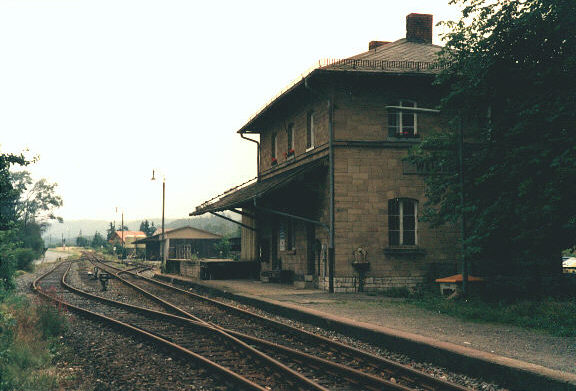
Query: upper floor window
x,y
290,138
402,222
403,122
274,148
310,130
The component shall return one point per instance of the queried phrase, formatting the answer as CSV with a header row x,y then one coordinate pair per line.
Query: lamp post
x,y
122,237
163,264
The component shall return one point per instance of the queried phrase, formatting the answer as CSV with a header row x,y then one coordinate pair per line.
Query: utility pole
x,y
162,243
163,204
122,227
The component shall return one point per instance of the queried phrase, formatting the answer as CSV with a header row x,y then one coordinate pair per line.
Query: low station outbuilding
x,y
130,240
182,247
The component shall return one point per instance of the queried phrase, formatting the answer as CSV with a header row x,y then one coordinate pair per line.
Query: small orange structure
x,y
452,284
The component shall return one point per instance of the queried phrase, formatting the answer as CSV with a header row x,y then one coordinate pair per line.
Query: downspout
x,y
331,246
257,154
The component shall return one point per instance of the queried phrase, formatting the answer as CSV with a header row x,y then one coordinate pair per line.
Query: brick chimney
x,y
419,28
376,44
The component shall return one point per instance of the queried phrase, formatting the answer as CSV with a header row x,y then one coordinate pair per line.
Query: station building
x,y
129,239
334,205
183,248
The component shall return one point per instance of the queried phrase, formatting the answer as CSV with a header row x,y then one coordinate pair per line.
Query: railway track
x,y
297,348
326,374
238,364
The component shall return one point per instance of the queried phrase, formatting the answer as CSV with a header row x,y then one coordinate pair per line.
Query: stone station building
x,y
334,205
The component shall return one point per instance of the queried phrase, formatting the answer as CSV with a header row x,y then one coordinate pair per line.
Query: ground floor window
x,y
402,222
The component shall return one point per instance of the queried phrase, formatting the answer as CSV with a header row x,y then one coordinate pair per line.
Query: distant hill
x,y
70,229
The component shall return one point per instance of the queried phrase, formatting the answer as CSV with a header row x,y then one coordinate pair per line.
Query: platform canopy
x,y
244,194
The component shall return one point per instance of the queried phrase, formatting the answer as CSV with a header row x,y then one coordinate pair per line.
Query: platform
x,y
511,356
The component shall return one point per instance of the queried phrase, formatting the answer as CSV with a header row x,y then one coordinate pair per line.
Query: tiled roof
x,y
402,50
398,57
401,56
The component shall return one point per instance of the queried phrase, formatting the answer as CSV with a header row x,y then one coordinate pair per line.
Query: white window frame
x,y
400,215
399,111
310,128
290,137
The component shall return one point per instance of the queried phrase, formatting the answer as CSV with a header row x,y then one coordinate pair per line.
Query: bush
x,y
553,315
24,258
51,320
27,337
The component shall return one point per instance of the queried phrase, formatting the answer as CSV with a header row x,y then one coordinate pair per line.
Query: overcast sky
x,y
104,91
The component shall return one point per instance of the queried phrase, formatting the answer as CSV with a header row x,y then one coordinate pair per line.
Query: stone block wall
x,y
299,120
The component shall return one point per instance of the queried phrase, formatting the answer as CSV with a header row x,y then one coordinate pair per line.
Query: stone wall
x,y
368,172
299,120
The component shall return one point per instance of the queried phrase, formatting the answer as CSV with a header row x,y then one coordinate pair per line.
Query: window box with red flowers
x,y
274,161
289,154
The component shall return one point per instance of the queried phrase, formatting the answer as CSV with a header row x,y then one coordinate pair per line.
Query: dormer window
x,y
402,119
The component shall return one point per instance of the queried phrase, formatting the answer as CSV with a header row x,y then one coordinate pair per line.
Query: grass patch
x,y
554,316
29,333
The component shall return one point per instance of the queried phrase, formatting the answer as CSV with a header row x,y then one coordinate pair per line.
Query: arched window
x,y
402,222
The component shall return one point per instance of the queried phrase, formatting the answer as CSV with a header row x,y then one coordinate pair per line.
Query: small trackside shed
x,y
181,245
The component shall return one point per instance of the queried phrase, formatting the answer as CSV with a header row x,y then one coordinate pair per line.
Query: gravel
x,y
97,357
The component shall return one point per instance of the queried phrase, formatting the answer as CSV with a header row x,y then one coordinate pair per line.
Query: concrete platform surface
x,y
518,353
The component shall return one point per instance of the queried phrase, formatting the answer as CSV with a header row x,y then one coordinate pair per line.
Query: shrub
x,y
27,332
51,320
24,258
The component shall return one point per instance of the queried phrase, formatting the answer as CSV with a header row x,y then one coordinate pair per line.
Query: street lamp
x,y
163,264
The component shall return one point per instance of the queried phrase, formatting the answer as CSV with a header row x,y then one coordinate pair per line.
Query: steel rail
x,y
274,363
399,371
353,375
219,368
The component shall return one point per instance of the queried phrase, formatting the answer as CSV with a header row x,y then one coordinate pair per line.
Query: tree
x,y
223,247
110,231
510,79
81,241
8,239
38,200
98,241
8,195
147,227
